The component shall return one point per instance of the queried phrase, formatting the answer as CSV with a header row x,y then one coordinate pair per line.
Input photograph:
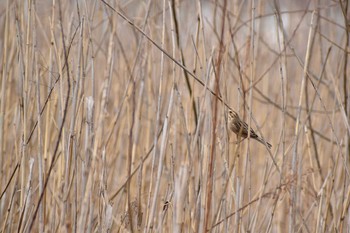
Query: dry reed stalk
x,y
295,160
3,84
131,100
165,133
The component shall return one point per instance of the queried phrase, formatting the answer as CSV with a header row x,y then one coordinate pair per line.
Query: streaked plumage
x,y
239,127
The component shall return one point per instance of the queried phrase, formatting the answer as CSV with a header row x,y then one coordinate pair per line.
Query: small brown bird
x,y
239,127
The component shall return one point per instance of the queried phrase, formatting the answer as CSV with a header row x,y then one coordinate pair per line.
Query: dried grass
x,y
113,116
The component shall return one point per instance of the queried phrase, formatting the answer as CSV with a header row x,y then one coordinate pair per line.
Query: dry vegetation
x,y
113,116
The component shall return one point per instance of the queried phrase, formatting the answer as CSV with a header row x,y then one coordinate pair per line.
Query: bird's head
x,y
232,114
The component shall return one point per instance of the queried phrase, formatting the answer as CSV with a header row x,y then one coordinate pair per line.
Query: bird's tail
x,y
262,141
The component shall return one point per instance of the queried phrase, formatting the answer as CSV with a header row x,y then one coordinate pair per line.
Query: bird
x,y
239,127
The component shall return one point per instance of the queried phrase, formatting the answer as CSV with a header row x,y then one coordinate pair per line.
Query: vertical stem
x,y
159,101
3,89
25,101
345,68
129,159
293,194
210,176
251,79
